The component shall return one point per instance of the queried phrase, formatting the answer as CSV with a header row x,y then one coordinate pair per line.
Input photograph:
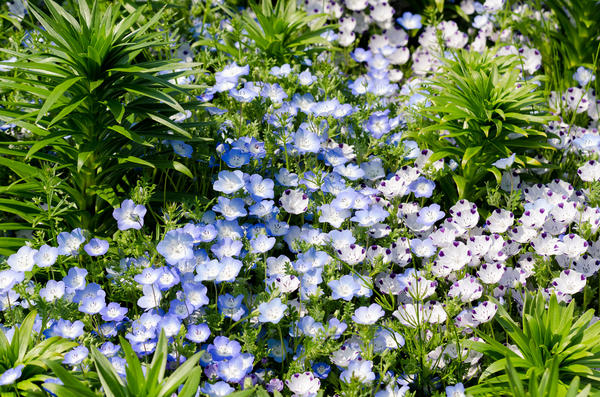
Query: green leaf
x,y
130,135
55,95
136,160
469,154
183,169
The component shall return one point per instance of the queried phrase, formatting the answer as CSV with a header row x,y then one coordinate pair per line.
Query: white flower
x,y
569,282
303,384
294,201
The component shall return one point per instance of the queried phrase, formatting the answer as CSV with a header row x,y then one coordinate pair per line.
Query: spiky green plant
x,y
96,104
479,110
550,339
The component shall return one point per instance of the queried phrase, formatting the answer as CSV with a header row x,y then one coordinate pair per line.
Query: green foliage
x,y
546,386
481,110
151,383
552,343
99,102
278,32
25,349
567,40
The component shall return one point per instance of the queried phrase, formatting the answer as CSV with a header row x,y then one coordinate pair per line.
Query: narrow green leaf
x,y
55,95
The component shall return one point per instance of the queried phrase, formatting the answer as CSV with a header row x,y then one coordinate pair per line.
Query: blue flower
x,y
321,370
76,356
231,209
69,243
410,21
176,246
230,306
96,247
345,288
218,389
181,148
224,348
197,333
129,215
67,329
260,188
271,312
11,375
113,312
378,124
422,187
92,304
235,369
235,158
75,279
45,256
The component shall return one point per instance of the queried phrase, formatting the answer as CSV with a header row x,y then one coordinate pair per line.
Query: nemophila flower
x,y
129,215
229,182
231,209
229,271
427,216
360,370
467,289
583,76
335,217
274,92
260,188
352,254
76,356
170,324
281,71
262,209
67,329
236,158
219,389
230,306
371,216
235,369
244,94
569,282
23,259
113,312
11,375
368,315
485,311
574,246
490,273
345,288
306,141
151,297
197,333
294,201
195,294
286,178
52,291
262,243
226,247
228,77
10,278
109,349
590,171
176,246
422,187
378,124
224,348
505,163
272,311
306,78
96,247
410,21
422,248
304,384
75,279
148,276
92,304
45,256
457,390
